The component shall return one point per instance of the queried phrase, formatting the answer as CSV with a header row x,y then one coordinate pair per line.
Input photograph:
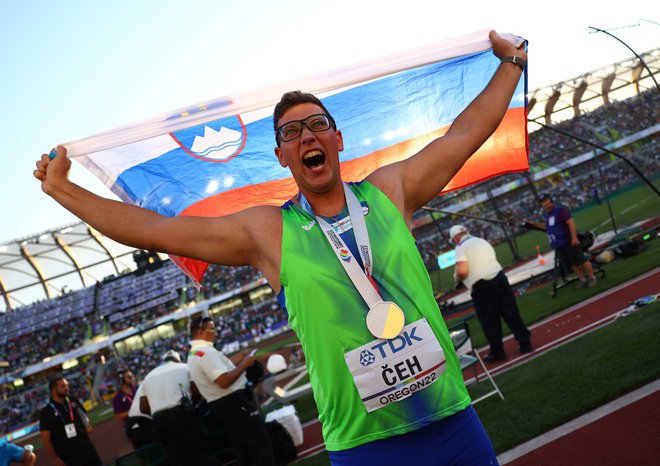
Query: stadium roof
x,y
573,97
48,264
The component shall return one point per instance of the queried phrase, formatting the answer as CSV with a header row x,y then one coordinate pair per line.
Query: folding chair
x,y
469,357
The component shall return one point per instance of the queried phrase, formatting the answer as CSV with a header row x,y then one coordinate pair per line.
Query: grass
x,y
568,381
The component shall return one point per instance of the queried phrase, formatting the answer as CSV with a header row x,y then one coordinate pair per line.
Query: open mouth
x,y
314,159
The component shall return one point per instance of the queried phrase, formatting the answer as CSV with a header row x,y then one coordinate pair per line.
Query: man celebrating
x,y
492,296
345,266
64,428
221,382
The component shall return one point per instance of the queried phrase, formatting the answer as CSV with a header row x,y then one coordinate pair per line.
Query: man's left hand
x,y
503,47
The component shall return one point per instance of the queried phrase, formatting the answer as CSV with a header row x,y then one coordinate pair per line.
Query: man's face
x,y
209,332
128,378
61,388
547,205
313,157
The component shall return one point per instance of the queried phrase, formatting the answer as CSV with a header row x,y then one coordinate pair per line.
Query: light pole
x,y
629,48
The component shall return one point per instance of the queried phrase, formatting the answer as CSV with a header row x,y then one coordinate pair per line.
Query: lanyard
x,y
362,279
57,411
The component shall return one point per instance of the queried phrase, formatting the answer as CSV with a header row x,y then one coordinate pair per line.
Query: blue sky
x,y
71,69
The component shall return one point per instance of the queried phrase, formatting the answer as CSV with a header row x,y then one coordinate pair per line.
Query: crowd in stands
x,y
219,279
45,328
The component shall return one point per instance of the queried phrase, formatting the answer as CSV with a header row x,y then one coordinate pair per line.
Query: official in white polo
x,y
221,381
177,428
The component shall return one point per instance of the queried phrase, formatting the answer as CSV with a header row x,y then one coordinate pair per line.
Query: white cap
x,y
276,363
171,354
455,230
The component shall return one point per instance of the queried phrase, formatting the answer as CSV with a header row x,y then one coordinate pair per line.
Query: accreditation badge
x,y
387,371
70,430
385,320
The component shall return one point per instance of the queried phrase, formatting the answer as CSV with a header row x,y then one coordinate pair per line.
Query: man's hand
x,y
575,241
248,358
503,47
52,172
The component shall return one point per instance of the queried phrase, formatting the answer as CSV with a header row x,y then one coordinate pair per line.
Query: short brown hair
x,y
291,99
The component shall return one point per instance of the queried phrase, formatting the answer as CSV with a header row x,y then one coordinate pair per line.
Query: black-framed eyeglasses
x,y
293,129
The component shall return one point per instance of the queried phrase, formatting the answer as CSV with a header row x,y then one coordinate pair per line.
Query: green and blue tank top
x,y
328,315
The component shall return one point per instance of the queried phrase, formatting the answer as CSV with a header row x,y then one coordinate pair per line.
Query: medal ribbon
x,y
361,279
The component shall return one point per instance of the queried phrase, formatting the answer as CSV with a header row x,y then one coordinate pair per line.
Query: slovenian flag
x,y
217,157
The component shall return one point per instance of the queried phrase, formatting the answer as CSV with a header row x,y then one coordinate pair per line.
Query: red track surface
x,y
630,435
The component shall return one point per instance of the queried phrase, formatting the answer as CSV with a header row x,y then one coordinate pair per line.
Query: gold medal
x,y
385,320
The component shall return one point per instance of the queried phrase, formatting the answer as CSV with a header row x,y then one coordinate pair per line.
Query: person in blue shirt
x,y
10,453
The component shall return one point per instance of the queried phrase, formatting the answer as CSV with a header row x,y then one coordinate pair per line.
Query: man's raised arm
x,y
231,240
413,182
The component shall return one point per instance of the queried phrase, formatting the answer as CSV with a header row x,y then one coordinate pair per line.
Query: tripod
x,y
564,270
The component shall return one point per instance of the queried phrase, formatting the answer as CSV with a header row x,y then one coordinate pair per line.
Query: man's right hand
x,y
248,359
51,172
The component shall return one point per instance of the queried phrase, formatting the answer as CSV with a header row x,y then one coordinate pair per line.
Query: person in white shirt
x,y
221,381
176,426
477,267
139,426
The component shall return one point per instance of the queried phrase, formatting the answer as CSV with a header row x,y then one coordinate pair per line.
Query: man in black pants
x,y
492,296
64,427
221,381
139,426
177,428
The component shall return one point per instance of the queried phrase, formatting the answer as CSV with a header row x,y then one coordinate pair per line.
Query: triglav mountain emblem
x,y
215,141
217,145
